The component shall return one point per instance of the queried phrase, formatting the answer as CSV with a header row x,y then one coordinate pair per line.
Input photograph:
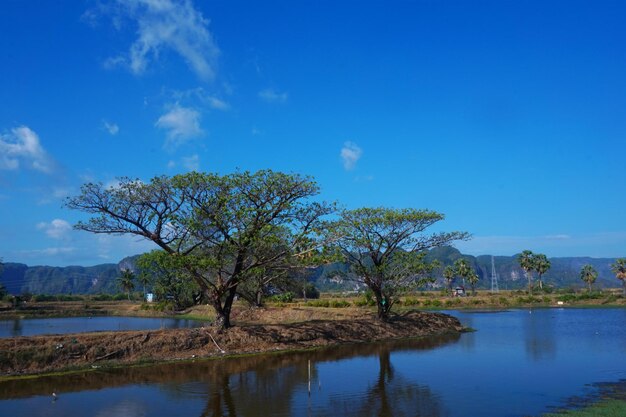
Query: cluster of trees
x,y
460,269
239,233
533,262
537,262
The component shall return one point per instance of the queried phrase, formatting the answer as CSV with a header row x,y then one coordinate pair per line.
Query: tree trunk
x,y
530,284
258,299
382,304
222,311
540,283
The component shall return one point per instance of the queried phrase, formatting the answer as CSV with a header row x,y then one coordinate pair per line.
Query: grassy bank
x,y
606,408
343,305
41,354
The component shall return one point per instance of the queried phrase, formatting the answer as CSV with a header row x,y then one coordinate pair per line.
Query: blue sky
x,y
508,117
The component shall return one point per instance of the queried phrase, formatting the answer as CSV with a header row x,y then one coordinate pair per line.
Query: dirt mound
x,y
37,354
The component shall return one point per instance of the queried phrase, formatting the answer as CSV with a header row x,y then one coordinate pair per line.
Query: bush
x,y
340,304
286,297
318,303
411,301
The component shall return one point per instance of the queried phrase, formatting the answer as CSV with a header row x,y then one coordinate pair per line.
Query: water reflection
x,y
390,395
16,330
540,338
258,385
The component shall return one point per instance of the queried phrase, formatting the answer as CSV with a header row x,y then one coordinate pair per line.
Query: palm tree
x,y
473,278
462,269
589,275
619,269
448,276
126,281
542,265
527,262
144,279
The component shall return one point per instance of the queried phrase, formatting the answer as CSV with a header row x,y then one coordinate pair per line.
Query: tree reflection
x,y
539,336
390,395
261,385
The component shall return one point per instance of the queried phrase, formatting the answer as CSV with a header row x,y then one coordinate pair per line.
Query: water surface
x,y
518,363
33,327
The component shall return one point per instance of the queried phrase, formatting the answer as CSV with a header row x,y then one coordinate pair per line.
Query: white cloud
x,y
164,25
217,104
22,147
200,97
112,128
56,229
191,163
181,123
171,164
271,96
350,155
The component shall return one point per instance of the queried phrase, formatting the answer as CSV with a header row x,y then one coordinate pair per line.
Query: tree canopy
x,y
386,248
589,275
215,227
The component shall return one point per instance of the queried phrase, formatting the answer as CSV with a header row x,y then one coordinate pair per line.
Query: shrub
x,y
340,304
285,297
411,301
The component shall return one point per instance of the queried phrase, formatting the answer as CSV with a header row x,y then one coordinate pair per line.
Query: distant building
x,y
149,297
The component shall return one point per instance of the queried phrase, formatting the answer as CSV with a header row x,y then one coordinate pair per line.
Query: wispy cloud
x,y
181,124
350,155
199,96
191,163
270,95
112,128
21,147
593,244
56,229
163,25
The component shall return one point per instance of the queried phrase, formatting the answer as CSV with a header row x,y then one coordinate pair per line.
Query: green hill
x,y
20,278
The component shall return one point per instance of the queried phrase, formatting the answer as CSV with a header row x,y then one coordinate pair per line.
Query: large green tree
x,y
619,269
589,275
385,248
169,280
211,226
527,262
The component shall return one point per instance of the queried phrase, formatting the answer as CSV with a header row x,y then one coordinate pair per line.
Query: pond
x,y
32,327
517,363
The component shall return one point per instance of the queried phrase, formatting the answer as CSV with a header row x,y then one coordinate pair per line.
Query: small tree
x,y
619,269
462,269
542,265
589,275
473,278
144,279
527,262
126,281
448,275
385,249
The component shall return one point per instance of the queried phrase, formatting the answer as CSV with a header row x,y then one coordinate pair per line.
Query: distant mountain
x,y
20,278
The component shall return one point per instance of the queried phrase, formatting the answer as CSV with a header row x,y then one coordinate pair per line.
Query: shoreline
x,y
26,356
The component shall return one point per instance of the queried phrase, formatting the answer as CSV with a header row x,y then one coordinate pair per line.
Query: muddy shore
x,y
45,354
